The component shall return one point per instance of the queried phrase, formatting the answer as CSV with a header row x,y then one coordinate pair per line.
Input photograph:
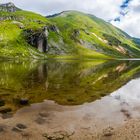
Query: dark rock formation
x,y
2,128
2,102
53,28
38,39
7,115
75,34
86,31
5,110
17,130
21,126
24,101
42,43
8,7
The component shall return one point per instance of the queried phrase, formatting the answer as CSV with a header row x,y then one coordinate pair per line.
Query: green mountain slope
x,y
95,34
12,40
69,34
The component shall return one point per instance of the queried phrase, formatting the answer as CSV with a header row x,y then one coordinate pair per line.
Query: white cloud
x,y
105,9
130,23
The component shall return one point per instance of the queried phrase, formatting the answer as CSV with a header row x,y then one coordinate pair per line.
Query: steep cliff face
x,y
38,38
42,42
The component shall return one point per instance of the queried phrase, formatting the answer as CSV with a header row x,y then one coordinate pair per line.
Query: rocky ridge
x,y
8,7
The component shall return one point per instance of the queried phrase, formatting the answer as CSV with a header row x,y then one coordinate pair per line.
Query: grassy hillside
x,y
70,34
88,31
12,40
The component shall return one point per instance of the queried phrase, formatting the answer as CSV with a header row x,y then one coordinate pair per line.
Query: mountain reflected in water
x,y
65,82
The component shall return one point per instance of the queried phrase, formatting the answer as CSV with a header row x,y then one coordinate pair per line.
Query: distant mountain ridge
x,y
136,40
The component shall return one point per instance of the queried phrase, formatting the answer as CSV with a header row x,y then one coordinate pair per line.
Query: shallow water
x,y
65,82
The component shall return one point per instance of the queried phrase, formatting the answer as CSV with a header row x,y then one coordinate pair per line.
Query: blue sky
x,y
124,14
123,10
129,17
125,4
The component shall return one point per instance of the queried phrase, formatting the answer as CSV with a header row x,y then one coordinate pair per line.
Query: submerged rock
x,y
7,115
21,126
5,110
59,135
2,102
40,120
15,129
24,101
108,132
2,128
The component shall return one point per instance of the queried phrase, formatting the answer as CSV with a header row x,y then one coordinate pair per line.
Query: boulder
x,y
24,101
19,24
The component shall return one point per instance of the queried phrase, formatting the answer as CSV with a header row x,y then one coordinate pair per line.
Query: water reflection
x,y
66,82
129,94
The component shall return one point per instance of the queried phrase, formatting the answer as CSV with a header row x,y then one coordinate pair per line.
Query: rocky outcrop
x,y
2,18
38,39
42,42
76,32
8,7
54,28
75,35
19,24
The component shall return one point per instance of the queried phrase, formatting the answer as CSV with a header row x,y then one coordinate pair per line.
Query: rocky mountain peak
x,y
8,7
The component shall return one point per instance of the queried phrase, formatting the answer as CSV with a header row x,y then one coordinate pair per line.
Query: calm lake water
x,y
65,82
